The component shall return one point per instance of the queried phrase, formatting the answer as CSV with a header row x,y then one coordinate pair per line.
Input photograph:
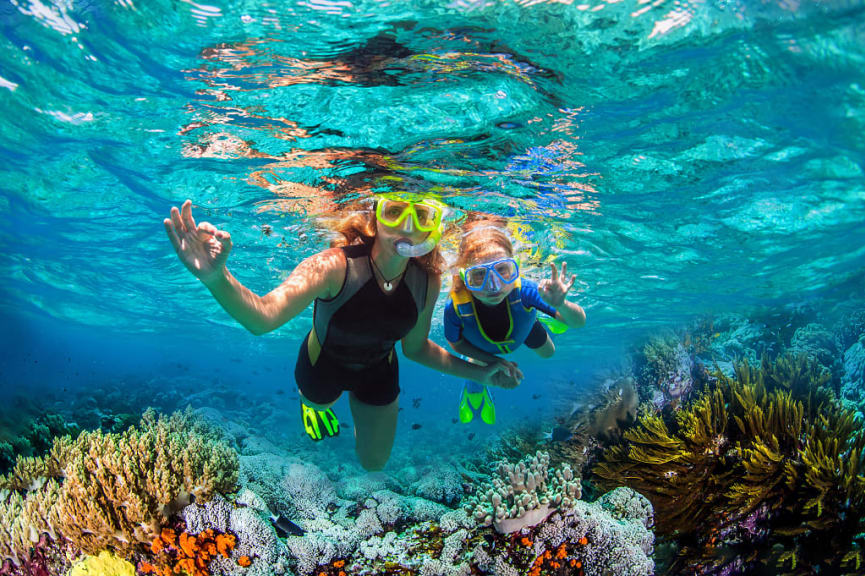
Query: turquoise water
x,y
684,159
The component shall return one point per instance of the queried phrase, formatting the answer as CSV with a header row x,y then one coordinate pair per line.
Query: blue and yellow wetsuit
x,y
498,329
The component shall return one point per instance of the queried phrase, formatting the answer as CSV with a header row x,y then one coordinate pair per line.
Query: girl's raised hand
x,y
202,248
554,289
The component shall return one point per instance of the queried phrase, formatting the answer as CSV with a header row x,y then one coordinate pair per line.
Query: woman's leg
x,y
315,405
374,431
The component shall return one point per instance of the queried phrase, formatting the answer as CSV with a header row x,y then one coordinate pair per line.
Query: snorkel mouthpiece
x,y
408,250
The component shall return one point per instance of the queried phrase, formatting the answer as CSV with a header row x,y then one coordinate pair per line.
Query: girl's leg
x,y
374,431
547,350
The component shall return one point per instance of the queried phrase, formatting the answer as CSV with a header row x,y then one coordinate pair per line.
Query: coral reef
x,y
765,466
588,539
112,491
45,559
443,485
35,439
818,344
664,371
523,494
853,378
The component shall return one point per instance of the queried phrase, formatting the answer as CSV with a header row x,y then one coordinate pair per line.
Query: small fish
x,y
558,434
508,125
285,527
453,420
472,436
415,402
415,426
535,396
280,392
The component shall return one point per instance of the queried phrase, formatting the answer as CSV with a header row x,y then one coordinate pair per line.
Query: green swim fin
x,y
318,423
473,402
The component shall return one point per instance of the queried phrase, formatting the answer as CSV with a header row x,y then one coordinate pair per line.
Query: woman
x,y
377,285
492,310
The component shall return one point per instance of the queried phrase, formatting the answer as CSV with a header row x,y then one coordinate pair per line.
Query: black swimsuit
x,y
357,330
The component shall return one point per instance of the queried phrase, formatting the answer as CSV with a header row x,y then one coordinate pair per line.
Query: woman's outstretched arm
x,y
204,250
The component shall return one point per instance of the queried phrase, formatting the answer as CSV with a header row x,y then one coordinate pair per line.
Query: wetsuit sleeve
x,y
453,325
532,299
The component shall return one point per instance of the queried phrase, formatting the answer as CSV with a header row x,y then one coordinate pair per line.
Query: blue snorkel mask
x,y
491,276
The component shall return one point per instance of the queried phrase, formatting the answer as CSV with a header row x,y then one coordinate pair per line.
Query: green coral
x,y
103,491
771,442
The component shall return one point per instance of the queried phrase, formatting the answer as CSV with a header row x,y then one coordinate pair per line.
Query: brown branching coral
x,y
113,490
769,450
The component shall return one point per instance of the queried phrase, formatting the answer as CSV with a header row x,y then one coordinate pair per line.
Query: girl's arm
x,y
553,290
571,314
319,276
466,348
418,347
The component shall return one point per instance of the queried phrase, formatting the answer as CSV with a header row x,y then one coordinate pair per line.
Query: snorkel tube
x,y
408,250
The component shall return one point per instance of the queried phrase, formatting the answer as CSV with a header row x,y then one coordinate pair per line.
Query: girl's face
x,y
494,290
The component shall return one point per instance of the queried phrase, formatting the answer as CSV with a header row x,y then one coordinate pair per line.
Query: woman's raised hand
x,y
202,248
554,289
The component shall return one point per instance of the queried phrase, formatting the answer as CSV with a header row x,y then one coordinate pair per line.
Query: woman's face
x,y
494,290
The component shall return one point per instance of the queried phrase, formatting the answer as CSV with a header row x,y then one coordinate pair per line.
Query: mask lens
x,y
426,216
507,269
475,277
392,211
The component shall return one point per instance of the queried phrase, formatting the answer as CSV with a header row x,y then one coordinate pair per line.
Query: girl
x,y
377,286
492,310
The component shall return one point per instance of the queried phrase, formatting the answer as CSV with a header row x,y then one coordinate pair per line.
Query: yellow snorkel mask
x,y
411,211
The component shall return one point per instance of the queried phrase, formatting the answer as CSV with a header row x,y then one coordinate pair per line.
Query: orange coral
x,y
583,541
224,543
525,541
244,561
561,552
187,554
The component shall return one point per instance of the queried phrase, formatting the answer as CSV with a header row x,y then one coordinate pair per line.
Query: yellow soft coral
x,y
114,490
106,564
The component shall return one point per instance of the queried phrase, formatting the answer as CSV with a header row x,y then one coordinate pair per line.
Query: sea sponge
x,y
105,564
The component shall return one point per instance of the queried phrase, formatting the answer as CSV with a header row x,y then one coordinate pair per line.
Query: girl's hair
x,y
358,227
479,233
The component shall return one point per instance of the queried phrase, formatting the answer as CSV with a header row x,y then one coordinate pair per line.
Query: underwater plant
x,y
764,466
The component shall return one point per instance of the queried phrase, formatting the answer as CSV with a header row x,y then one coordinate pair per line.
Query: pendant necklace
x,y
388,284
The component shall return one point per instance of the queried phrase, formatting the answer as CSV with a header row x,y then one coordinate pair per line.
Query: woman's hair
x,y
479,233
358,227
